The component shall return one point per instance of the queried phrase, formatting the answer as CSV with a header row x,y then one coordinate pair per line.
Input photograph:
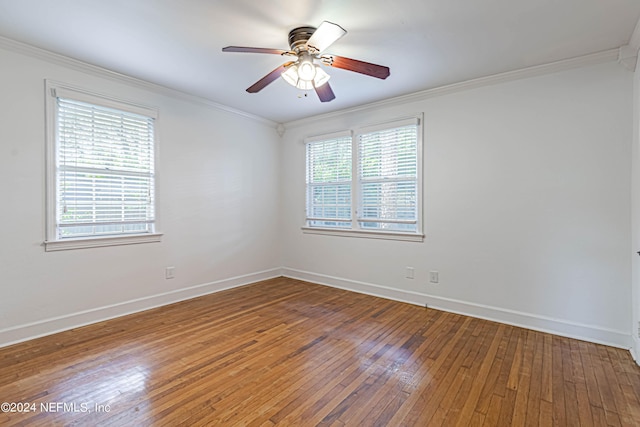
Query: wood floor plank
x,y
558,390
480,377
493,414
626,383
545,417
572,416
490,384
604,386
514,372
535,382
584,412
289,353
547,368
505,417
524,381
502,383
590,376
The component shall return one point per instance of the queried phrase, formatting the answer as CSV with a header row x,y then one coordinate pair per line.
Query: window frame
x,y
53,91
356,186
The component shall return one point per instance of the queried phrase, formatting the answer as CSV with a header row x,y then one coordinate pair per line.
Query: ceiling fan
x,y
307,45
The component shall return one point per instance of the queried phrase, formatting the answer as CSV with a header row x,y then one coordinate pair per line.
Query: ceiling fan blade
x,y
269,78
373,70
253,50
325,35
325,93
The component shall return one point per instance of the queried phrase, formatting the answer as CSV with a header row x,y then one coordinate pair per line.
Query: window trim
x,y
386,235
356,230
53,90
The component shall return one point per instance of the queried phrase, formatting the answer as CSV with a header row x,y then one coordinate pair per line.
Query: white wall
x,y
527,206
218,203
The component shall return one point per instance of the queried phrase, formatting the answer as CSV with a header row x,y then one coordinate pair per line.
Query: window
x,y
382,198
329,182
101,171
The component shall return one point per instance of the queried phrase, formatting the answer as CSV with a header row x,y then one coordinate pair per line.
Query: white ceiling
x,y
426,43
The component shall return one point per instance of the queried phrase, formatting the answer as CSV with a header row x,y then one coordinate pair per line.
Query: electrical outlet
x,y
169,273
410,273
434,277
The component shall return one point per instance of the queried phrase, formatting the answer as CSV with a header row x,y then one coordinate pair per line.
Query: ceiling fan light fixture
x,y
321,77
305,75
291,75
306,69
305,84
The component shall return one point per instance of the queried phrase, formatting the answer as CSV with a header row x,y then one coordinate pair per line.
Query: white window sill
x,y
96,242
387,235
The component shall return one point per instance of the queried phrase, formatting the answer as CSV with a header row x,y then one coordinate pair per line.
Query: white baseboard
x,y
536,322
53,325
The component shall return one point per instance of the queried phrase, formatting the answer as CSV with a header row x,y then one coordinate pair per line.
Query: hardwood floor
x,y
285,352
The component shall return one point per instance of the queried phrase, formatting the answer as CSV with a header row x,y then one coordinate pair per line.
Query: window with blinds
x,y
104,169
388,174
383,197
329,182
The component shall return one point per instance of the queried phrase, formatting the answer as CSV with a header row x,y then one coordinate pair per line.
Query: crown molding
x,y
538,70
75,64
628,57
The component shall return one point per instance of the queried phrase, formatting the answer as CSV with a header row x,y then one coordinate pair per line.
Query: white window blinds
x,y
104,171
366,183
329,182
388,178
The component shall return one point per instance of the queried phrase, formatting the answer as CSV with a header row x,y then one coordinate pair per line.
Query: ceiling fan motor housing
x,y
298,38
